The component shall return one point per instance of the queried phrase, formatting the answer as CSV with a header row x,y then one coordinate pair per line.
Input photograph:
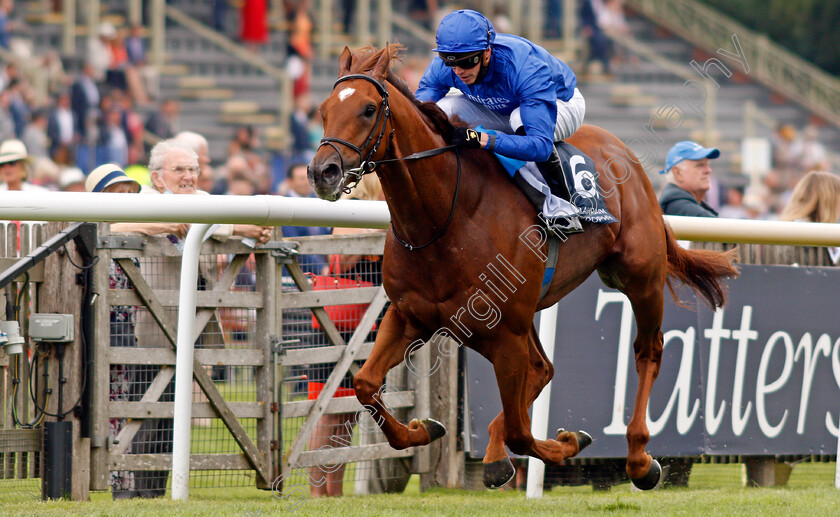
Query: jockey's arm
x,y
433,85
537,142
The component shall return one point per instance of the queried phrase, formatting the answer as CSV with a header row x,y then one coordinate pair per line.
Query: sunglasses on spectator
x,y
465,61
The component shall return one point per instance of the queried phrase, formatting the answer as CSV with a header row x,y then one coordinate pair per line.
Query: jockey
x,y
508,84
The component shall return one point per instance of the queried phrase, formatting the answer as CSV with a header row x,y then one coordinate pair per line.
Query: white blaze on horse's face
x,y
343,94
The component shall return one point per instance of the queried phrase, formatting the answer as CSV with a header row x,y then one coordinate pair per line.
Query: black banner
x,y
761,376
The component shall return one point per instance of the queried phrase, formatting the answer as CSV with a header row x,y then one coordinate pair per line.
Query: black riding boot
x,y
552,172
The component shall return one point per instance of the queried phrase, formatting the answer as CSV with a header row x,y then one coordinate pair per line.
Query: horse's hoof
x,y
498,473
651,479
583,438
433,427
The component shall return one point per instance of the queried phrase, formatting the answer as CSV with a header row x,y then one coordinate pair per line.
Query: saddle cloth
x,y
581,177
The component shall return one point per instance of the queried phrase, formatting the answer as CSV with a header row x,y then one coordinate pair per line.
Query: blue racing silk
x,y
520,75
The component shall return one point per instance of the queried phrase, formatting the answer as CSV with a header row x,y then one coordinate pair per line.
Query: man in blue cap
x,y
688,163
507,84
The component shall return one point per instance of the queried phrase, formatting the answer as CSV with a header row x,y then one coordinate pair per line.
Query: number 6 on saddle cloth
x,y
345,317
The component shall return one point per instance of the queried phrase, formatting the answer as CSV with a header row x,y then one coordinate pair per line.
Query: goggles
x,y
461,60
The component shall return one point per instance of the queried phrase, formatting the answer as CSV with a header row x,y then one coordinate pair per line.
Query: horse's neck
x,y
419,192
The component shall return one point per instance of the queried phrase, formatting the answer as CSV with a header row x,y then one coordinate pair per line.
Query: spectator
x,y
784,161
348,15
84,100
553,17
300,52
135,46
298,186
113,139
61,124
809,152
254,23
219,8
244,143
72,179
14,167
299,127
132,125
7,123
7,24
199,144
599,44
164,122
612,22
121,73
174,170
35,135
815,199
18,106
688,163
235,165
57,79
124,379
99,51
241,185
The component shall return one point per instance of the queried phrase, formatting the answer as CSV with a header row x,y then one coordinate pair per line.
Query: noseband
x,y
382,114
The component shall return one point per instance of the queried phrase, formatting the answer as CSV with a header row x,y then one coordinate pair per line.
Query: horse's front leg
x,y
392,341
522,371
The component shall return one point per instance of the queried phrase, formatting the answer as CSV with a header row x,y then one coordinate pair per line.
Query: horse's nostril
x,y
331,172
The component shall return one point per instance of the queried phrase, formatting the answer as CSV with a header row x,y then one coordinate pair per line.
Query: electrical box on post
x,y
52,328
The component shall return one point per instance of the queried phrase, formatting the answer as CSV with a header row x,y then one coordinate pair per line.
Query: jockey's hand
x,y
466,137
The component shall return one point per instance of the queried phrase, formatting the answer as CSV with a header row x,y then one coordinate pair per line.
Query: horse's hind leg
x,y
642,279
392,341
498,468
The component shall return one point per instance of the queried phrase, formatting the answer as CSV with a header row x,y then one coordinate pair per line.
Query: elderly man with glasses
x,y
173,168
508,84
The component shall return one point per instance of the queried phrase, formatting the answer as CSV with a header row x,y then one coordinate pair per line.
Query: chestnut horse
x,y
453,213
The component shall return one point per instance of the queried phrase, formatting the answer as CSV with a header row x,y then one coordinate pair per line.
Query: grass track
x,y
714,491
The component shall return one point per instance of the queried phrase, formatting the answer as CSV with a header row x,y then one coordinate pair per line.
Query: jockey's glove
x,y
466,137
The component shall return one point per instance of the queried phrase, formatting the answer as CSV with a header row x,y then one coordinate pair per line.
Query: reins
x,y
366,166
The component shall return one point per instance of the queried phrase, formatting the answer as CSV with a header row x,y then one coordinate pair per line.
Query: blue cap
x,y
688,150
464,31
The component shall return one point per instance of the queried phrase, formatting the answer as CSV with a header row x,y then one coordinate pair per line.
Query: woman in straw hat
x,y
14,166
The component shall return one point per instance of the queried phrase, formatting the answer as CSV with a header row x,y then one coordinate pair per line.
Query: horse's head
x,y
355,118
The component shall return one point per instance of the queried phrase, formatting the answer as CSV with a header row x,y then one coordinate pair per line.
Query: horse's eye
x,y
370,110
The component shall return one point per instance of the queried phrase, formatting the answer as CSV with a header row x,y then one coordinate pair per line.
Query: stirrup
x,y
566,225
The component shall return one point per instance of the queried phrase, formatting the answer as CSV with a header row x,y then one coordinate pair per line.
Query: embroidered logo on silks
x,y
494,103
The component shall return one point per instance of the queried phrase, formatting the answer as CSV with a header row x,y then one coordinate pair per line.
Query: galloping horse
x,y
453,212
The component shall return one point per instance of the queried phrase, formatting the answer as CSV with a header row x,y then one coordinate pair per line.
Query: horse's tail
x,y
702,270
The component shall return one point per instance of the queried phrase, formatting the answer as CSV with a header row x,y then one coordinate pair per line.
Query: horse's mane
x,y
364,59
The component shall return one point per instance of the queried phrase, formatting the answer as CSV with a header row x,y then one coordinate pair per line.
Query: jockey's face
x,y
469,75
694,176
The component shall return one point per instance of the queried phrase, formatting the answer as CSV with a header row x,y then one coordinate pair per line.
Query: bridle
x,y
366,165
383,113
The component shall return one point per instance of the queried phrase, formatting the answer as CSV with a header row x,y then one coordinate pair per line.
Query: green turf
x,y
714,490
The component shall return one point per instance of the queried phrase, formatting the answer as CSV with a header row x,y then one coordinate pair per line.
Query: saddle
x,y
587,202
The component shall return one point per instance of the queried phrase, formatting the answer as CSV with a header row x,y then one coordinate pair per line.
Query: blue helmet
x,y
464,31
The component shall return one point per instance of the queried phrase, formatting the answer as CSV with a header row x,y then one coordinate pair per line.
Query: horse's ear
x,y
380,70
344,61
